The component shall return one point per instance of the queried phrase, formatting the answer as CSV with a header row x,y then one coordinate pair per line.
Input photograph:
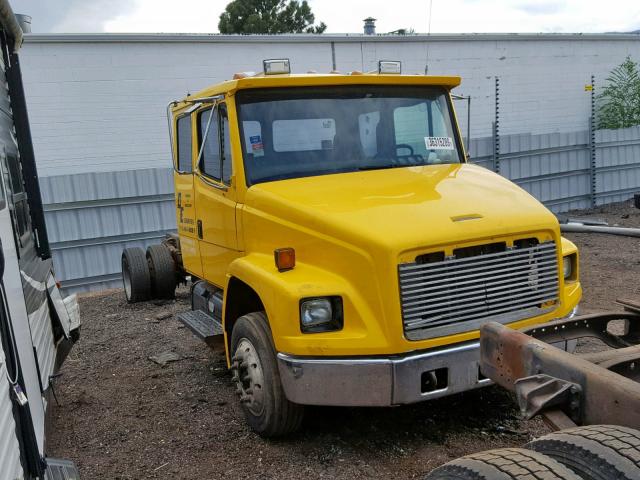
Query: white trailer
x,y
37,326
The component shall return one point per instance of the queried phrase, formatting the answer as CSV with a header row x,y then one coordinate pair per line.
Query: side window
x,y
216,154
210,160
183,133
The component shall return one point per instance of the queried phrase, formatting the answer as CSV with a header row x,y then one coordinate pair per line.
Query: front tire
x,y
255,371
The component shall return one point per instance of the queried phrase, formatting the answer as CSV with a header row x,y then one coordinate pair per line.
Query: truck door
x,y
185,153
215,196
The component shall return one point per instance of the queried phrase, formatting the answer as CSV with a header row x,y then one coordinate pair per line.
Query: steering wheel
x,y
408,147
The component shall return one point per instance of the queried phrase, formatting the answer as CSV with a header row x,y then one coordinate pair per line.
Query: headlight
x,y
320,314
567,266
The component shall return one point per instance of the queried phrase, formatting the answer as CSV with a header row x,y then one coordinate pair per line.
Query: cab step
x,y
59,469
203,326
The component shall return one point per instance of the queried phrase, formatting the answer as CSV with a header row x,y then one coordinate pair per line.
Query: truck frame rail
x,y
570,389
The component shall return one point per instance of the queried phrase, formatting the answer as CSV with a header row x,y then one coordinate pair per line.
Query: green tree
x,y
269,16
619,103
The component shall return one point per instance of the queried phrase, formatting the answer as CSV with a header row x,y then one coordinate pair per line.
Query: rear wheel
x,y
595,452
135,275
162,271
257,378
503,464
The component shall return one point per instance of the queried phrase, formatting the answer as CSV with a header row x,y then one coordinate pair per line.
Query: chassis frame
x,y
570,389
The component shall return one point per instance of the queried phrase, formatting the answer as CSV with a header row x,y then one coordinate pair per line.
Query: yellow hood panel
x,y
405,208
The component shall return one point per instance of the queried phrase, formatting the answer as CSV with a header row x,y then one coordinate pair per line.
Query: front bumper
x,y
386,381
378,382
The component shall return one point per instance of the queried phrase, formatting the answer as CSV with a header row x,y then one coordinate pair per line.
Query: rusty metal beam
x,y
603,396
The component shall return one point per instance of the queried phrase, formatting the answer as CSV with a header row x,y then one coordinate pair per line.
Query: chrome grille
x,y
459,294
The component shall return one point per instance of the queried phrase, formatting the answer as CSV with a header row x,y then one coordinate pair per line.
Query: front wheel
x,y
255,372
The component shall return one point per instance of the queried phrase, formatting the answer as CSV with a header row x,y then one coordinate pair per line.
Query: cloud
x,y
72,15
447,16
542,7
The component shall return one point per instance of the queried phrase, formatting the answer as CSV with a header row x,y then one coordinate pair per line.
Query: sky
x,y
341,16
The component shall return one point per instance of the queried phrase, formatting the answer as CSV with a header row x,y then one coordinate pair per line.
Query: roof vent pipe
x,y
369,26
24,21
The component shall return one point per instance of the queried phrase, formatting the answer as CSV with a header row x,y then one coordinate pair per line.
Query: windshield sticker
x,y
257,148
438,143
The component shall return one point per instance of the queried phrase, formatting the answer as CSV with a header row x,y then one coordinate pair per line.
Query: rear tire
x,y
503,464
135,275
162,270
255,370
595,452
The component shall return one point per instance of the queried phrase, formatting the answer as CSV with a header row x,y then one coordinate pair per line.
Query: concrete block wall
x,y
97,102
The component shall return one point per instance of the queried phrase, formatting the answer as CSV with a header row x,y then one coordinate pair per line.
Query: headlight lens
x,y
321,314
567,266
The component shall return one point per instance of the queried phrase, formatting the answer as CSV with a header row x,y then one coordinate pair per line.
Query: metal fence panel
x,y
92,217
617,164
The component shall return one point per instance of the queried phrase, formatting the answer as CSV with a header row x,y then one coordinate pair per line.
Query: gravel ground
x,y
122,416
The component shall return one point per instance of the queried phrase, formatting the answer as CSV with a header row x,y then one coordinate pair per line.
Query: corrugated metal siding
x,y
10,467
554,168
617,163
91,217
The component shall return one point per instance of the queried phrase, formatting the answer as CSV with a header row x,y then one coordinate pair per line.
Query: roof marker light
x,y
278,66
389,67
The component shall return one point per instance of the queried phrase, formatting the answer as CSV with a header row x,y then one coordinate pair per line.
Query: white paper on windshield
x,y
438,143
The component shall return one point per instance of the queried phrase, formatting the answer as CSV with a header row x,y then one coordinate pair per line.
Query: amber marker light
x,y
285,258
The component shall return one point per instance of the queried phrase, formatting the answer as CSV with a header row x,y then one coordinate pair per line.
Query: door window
x,y
183,133
210,162
215,161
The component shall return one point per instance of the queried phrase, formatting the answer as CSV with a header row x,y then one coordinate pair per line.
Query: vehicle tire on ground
x,y
255,372
595,452
135,275
162,271
503,464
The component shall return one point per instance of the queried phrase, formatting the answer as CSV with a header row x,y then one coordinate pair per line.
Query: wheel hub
x,y
248,376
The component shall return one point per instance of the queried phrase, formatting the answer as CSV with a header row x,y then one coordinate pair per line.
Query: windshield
x,y
304,132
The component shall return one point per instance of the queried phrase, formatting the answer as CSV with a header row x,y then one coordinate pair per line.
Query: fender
x,y
281,292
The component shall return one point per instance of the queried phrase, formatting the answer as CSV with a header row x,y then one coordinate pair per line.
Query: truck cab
x,y
341,248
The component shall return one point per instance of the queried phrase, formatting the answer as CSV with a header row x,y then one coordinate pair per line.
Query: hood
x,y
405,208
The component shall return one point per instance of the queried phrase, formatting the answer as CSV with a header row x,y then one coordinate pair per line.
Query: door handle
x,y
199,226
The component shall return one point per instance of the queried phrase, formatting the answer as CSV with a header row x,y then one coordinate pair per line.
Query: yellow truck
x,y
338,244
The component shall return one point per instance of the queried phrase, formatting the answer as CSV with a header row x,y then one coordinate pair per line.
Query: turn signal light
x,y
285,258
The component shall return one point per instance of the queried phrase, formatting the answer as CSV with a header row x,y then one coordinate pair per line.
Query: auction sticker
x,y
438,143
257,146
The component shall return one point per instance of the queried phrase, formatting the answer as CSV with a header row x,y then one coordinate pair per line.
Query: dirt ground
x,y
122,416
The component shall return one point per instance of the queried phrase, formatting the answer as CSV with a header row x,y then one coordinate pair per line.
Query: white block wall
x,y
97,102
